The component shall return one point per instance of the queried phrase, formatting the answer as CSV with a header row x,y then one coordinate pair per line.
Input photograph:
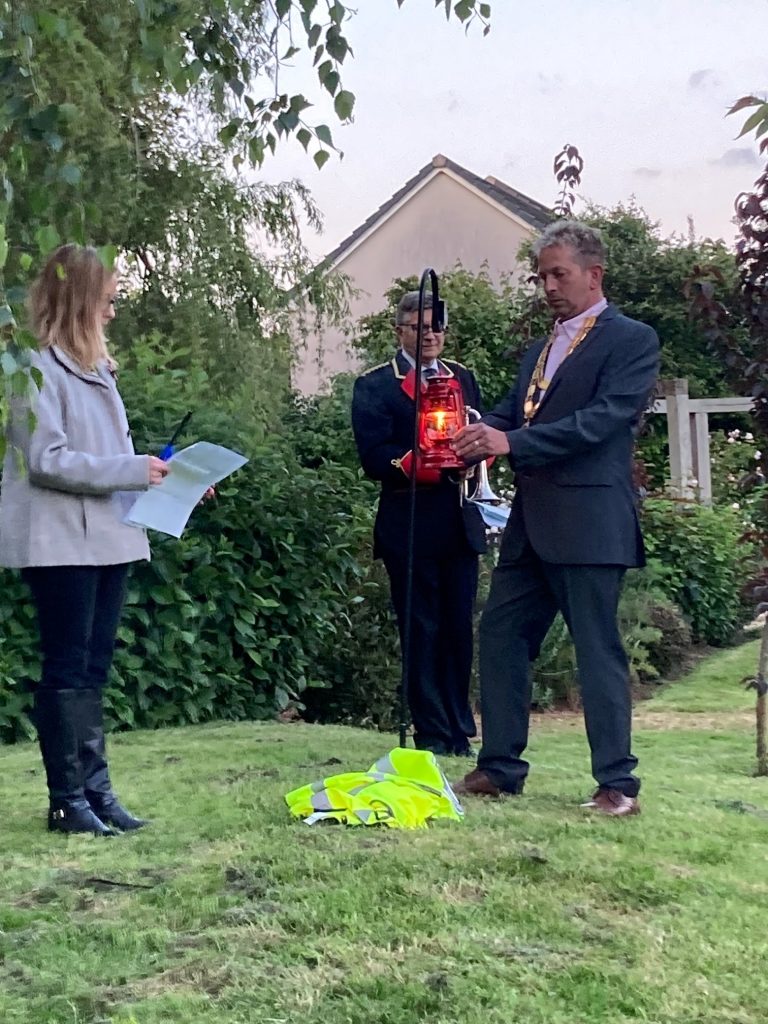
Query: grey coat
x,y
64,502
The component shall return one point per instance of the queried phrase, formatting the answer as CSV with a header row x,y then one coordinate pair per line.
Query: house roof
x,y
526,209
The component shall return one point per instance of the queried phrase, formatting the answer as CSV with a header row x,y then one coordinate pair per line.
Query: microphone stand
x,y
438,316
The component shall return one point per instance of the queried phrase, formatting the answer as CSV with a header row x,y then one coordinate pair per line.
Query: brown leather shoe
x,y
479,783
613,802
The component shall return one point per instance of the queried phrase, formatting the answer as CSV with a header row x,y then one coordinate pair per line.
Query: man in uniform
x,y
449,534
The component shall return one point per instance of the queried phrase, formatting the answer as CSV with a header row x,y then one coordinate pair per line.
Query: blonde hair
x,y
65,304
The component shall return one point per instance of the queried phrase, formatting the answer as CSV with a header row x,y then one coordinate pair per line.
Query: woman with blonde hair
x,y
62,510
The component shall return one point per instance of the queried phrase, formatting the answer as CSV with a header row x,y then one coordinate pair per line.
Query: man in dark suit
x,y
449,534
568,429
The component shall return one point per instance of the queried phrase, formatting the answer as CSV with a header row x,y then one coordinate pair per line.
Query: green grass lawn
x,y
530,911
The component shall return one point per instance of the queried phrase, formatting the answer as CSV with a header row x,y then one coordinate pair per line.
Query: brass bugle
x,y
482,490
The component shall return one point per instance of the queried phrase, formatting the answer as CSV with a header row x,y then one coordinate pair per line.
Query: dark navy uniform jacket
x,y
574,499
383,420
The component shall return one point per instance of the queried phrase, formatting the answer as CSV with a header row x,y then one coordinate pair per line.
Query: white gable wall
x,y
443,222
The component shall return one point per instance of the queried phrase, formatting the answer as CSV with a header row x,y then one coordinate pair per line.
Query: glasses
x,y
425,328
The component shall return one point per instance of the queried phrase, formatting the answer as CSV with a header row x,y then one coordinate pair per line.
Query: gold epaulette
x,y
373,369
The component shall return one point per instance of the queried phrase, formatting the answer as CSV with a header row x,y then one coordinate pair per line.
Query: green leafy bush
x,y
19,662
701,564
358,677
647,276
237,614
253,604
734,456
233,620
319,427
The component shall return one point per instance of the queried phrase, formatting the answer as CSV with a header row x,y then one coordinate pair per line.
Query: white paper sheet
x,y
167,506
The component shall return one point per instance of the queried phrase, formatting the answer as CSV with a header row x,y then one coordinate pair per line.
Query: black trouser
x,y
78,611
444,590
526,594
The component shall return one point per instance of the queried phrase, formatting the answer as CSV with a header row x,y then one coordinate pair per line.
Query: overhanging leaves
x,y
142,60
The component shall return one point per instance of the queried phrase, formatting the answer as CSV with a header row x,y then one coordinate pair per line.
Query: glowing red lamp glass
x,y
442,414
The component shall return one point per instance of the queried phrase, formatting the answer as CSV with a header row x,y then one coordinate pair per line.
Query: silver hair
x,y
586,242
409,303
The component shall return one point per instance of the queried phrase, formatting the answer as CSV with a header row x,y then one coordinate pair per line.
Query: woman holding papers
x,y
61,522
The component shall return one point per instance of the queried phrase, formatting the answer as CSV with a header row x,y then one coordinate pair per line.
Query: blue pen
x,y
169,449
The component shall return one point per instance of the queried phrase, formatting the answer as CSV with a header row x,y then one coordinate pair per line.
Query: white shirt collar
x,y
433,364
572,326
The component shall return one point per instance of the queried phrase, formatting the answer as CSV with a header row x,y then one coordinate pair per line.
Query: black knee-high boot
x,y
98,788
57,714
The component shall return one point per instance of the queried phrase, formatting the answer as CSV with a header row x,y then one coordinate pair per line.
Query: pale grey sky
x,y
640,86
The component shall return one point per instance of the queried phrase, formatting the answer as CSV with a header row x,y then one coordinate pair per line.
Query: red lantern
x,y
442,414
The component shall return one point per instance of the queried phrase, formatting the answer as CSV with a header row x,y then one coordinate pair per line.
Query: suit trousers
x,y
78,611
444,590
526,594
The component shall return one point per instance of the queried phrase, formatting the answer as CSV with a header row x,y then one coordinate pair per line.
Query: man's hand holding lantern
x,y
478,441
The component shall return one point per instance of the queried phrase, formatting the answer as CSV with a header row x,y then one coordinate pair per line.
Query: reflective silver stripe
x,y
428,789
384,764
454,799
320,802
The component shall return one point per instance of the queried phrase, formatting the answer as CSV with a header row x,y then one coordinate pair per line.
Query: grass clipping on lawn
x,y
227,911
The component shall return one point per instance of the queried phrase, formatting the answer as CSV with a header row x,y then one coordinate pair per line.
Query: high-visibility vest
x,y
404,789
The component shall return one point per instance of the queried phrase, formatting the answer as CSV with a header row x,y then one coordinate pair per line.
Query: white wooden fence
x,y
688,426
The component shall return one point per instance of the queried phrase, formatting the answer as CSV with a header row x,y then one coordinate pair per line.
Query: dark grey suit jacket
x,y
575,501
